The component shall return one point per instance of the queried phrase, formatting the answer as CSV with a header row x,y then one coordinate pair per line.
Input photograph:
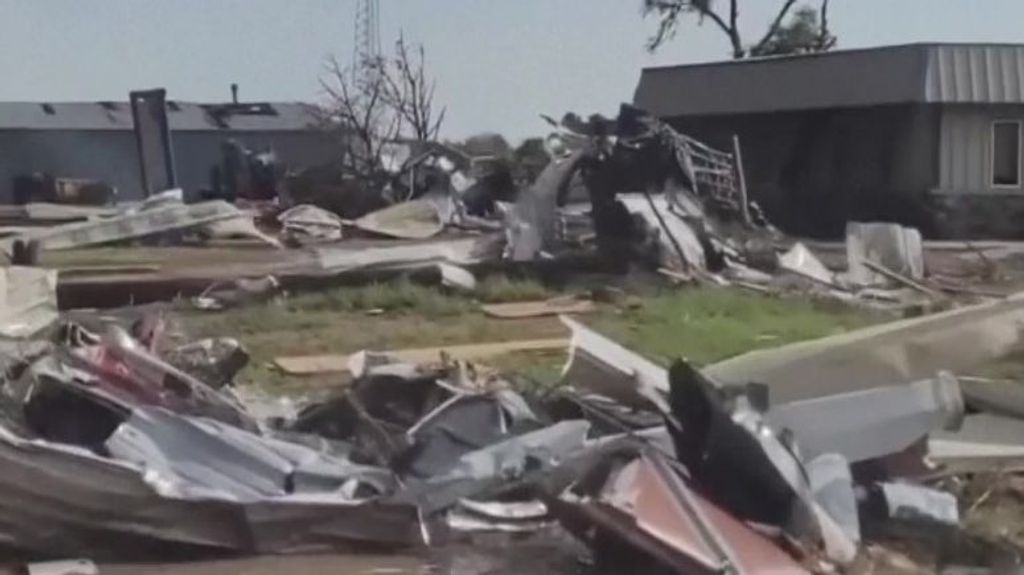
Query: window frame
x,y
992,155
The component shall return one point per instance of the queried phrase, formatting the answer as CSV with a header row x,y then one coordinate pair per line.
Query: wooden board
x,y
314,364
520,310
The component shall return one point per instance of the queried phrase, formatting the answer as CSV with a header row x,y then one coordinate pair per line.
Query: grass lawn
x,y
701,324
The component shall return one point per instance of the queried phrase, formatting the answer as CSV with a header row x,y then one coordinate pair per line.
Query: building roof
x,y
182,116
912,73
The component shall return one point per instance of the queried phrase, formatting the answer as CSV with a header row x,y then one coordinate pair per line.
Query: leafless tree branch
x,y
377,104
774,27
669,12
826,41
411,94
796,27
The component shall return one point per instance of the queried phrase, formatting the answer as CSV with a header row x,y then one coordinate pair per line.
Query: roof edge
x,y
884,48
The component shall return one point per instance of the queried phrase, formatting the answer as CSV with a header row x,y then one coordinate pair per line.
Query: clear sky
x,y
498,63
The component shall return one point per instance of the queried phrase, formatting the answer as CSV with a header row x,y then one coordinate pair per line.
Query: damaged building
x,y
925,134
94,141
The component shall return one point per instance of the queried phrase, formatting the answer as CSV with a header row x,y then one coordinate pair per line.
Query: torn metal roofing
x,y
913,73
182,116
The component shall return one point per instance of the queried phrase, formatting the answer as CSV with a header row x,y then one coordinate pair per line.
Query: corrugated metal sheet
x,y
977,74
963,150
182,116
913,73
965,147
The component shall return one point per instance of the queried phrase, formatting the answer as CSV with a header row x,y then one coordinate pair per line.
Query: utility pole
x,y
366,48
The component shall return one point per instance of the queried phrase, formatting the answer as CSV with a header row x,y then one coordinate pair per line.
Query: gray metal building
x,y
926,134
94,140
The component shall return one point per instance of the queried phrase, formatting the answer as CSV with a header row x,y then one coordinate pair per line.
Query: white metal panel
x,y
965,148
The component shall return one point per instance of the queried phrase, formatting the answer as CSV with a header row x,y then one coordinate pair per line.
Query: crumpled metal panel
x,y
462,251
127,369
530,222
134,224
307,221
59,499
460,425
881,355
501,463
28,300
602,365
675,236
744,464
872,423
651,507
417,219
203,457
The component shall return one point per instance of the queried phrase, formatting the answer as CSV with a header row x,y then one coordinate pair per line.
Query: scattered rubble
x,y
807,458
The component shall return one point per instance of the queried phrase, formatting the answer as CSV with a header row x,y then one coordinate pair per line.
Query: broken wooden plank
x,y
100,269
526,309
316,364
902,279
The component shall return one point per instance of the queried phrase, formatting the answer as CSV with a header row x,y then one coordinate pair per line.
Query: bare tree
x,y
357,108
410,94
377,103
806,32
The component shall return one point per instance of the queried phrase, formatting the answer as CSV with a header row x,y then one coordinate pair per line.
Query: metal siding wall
x,y
111,156
978,74
108,155
965,148
814,170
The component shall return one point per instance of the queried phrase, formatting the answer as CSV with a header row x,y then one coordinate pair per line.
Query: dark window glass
x,y
1006,154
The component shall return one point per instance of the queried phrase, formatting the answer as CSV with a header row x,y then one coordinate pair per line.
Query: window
x,y
1006,154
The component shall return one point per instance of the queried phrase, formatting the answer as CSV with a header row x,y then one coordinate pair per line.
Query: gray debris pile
x,y
629,191
159,215
796,460
652,195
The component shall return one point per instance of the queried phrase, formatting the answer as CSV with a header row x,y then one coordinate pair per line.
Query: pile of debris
x,y
624,192
617,194
116,443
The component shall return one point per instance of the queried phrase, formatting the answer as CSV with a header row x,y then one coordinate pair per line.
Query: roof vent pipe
x,y
234,93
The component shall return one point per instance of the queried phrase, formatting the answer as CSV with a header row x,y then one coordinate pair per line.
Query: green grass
x,y
701,324
500,288
399,295
711,324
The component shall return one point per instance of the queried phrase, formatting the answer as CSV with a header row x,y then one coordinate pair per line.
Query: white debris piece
x,y
800,260
28,300
456,278
66,567
891,245
310,222
413,220
165,214
675,232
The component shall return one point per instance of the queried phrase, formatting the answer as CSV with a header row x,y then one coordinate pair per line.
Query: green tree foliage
x,y
806,29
